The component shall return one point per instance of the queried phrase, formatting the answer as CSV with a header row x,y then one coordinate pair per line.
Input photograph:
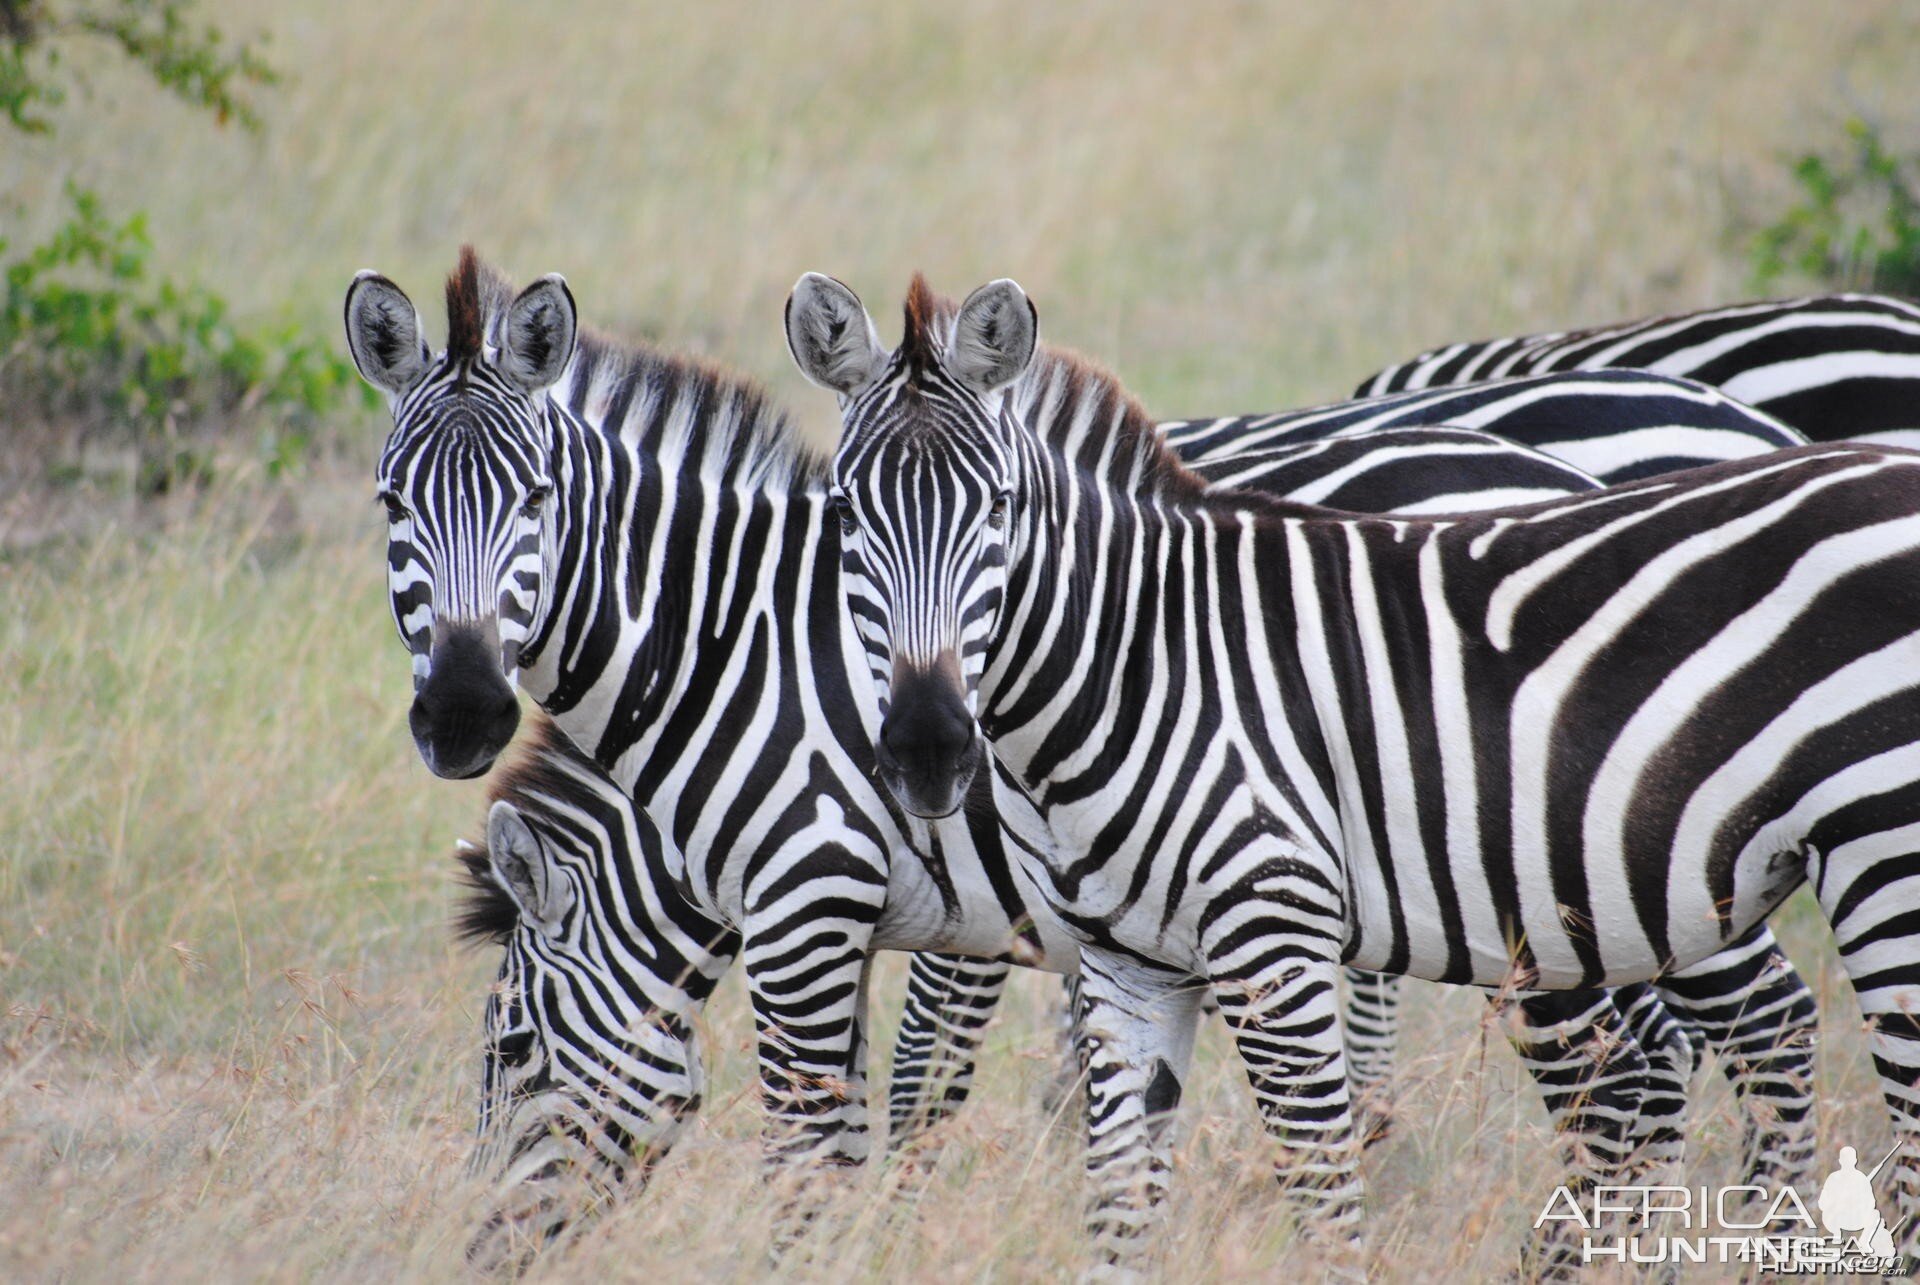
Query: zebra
x,y
1834,366
1618,425
1581,743
1749,1004
591,1064
1766,1048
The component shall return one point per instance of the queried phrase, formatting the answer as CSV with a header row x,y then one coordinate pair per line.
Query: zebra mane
x,y
926,325
686,411
548,766
486,914
477,297
678,408
1061,389
1084,412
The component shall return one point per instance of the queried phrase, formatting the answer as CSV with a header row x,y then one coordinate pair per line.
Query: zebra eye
x,y
843,509
997,515
530,507
396,511
515,1047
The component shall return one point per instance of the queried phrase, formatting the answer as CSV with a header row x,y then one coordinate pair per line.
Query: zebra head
x,y
464,478
924,487
591,1062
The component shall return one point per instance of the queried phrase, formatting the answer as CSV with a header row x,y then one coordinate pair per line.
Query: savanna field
x,y
236,1040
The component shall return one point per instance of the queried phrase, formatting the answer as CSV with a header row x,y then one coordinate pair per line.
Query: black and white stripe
x,y
1584,743
1618,425
1835,367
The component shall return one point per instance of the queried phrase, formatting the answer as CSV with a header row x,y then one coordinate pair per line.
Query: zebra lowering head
x,y
926,528
591,1062
464,478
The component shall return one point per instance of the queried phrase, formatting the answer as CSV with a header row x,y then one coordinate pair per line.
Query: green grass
x,y
234,1038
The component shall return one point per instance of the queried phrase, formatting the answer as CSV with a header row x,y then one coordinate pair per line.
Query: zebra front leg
x,y
950,999
1373,1045
809,1009
1286,1024
1595,1078
1137,1026
1758,1016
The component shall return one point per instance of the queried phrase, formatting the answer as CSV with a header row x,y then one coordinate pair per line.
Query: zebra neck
x,y
661,567
1130,626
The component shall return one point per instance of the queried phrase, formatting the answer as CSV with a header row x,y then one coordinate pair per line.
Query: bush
x,y
86,332
1856,225
197,64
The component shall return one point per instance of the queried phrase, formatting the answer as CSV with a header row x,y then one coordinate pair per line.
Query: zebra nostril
x,y
883,749
506,718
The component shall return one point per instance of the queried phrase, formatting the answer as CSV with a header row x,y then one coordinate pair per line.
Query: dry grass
x,y
233,1033
234,1040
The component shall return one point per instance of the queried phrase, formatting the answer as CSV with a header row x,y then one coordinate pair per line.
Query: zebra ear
x,y
523,869
537,337
994,336
384,334
831,337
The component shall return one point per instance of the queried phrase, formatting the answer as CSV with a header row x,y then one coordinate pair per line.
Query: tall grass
x,y
233,1033
234,1039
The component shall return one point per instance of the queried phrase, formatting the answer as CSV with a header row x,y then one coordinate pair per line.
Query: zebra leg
x,y
1758,1016
1139,1024
809,1009
1660,1131
1870,895
1285,1021
1373,1043
949,1001
1576,1046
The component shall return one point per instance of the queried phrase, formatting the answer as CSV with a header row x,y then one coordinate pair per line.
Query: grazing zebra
x,y
1618,425
592,1062
1834,366
1582,743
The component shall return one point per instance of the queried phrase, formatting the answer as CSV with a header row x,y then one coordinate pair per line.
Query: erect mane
x,y
1058,389
476,297
928,317
548,765
684,410
1083,411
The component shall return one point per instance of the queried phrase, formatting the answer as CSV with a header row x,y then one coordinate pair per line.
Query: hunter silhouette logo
x,y
1848,1210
